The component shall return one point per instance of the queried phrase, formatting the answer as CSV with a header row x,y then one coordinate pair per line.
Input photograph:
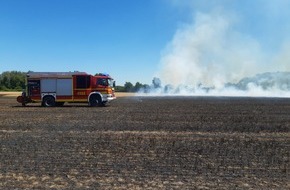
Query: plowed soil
x,y
147,143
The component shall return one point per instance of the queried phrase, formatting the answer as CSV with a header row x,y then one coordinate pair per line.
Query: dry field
x,y
147,143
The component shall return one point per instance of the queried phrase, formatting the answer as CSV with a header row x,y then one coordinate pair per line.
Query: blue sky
x,y
124,38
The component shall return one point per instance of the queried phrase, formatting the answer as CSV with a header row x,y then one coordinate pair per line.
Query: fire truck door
x,y
81,90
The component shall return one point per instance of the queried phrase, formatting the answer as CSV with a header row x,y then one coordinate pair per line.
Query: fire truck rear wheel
x,y
95,100
48,101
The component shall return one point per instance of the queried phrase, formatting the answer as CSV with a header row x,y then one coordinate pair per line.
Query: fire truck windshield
x,y
111,82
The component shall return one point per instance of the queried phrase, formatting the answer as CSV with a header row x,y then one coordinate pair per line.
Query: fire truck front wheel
x,y
48,101
95,100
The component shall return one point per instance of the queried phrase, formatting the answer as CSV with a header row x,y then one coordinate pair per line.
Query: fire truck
x,y
56,88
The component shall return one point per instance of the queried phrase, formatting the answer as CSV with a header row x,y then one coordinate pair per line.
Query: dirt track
x,y
147,143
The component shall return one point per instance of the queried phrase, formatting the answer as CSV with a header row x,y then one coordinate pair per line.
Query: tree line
x,y
15,81
129,87
12,81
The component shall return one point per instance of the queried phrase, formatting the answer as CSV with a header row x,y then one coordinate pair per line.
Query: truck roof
x,y
54,74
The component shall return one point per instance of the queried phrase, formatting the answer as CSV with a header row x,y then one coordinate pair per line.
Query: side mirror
x,y
114,84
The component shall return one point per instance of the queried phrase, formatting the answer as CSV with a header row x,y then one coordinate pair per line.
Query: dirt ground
x,y
147,143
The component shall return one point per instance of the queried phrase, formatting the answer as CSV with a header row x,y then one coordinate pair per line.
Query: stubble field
x,y
147,143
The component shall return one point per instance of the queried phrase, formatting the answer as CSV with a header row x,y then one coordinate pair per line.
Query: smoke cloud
x,y
209,56
210,52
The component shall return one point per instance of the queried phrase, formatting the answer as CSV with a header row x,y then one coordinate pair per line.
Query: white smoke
x,y
208,53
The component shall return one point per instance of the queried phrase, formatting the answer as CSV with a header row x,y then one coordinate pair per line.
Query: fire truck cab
x,y
56,88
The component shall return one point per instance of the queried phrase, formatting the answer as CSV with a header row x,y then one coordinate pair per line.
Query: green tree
x,y
138,86
120,89
156,82
12,80
129,87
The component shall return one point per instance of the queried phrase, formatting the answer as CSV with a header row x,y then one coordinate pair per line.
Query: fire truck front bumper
x,y
109,97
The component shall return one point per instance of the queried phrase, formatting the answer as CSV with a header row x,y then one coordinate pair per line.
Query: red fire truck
x,y
56,88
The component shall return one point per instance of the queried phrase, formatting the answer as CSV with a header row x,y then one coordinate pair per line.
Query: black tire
x,y
48,101
95,100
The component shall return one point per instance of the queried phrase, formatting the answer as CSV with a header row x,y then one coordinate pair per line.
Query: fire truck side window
x,y
83,81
